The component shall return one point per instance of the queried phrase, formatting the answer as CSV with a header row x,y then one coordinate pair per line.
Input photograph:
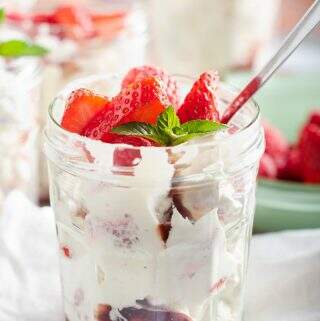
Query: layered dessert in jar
x,y
153,196
19,102
81,38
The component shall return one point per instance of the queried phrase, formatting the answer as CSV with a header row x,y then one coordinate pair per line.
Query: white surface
x,y
283,282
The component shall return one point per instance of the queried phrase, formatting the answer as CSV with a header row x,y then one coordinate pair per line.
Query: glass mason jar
x,y
19,126
153,233
119,45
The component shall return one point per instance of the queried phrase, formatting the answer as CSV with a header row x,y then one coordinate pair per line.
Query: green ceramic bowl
x,y
286,205
286,102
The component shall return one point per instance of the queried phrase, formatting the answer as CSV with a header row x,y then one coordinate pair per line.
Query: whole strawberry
x,y
139,73
201,101
310,153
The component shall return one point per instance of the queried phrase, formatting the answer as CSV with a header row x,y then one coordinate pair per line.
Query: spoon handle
x,y
307,23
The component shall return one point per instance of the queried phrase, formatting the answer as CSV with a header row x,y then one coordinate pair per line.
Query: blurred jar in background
x,y
190,36
23,5
84,37
19,127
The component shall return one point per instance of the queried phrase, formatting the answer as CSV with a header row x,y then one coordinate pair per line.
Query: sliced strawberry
x,y
43,18
126,156
310,153
108,25
201,101
142,101
139,73
36,18
75,20
268,167
81,107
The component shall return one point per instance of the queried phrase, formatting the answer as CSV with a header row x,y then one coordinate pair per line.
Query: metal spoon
x,y
307,23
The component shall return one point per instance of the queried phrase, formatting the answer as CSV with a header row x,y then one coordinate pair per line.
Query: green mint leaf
x,y
2,15
195,128
140,129
19,48
202,126
178,131
168,120
169,131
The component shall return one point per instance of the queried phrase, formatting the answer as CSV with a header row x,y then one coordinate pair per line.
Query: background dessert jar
x,y
113,39
153,233
19,102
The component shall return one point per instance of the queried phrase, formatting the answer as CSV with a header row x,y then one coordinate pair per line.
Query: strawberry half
x,y
81,107
142,101
201,102
138,73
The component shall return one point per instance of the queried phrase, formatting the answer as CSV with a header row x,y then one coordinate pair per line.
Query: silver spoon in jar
x,y
307,23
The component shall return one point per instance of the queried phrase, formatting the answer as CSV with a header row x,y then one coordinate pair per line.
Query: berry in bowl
x,y
289,184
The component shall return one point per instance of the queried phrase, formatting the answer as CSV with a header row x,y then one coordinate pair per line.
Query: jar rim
x,y
231,89
84,156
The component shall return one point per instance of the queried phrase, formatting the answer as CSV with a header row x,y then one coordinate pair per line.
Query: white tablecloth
x,y
283,280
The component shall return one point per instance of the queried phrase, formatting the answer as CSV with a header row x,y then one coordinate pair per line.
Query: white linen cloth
x,y
283,280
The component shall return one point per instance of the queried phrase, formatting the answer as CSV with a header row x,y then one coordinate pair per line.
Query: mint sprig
x,y
19,48
169,131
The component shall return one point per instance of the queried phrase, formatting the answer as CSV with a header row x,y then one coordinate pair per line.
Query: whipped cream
x,y
19,84
111,231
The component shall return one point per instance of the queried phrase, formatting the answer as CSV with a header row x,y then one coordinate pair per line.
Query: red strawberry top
x,y
145,110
